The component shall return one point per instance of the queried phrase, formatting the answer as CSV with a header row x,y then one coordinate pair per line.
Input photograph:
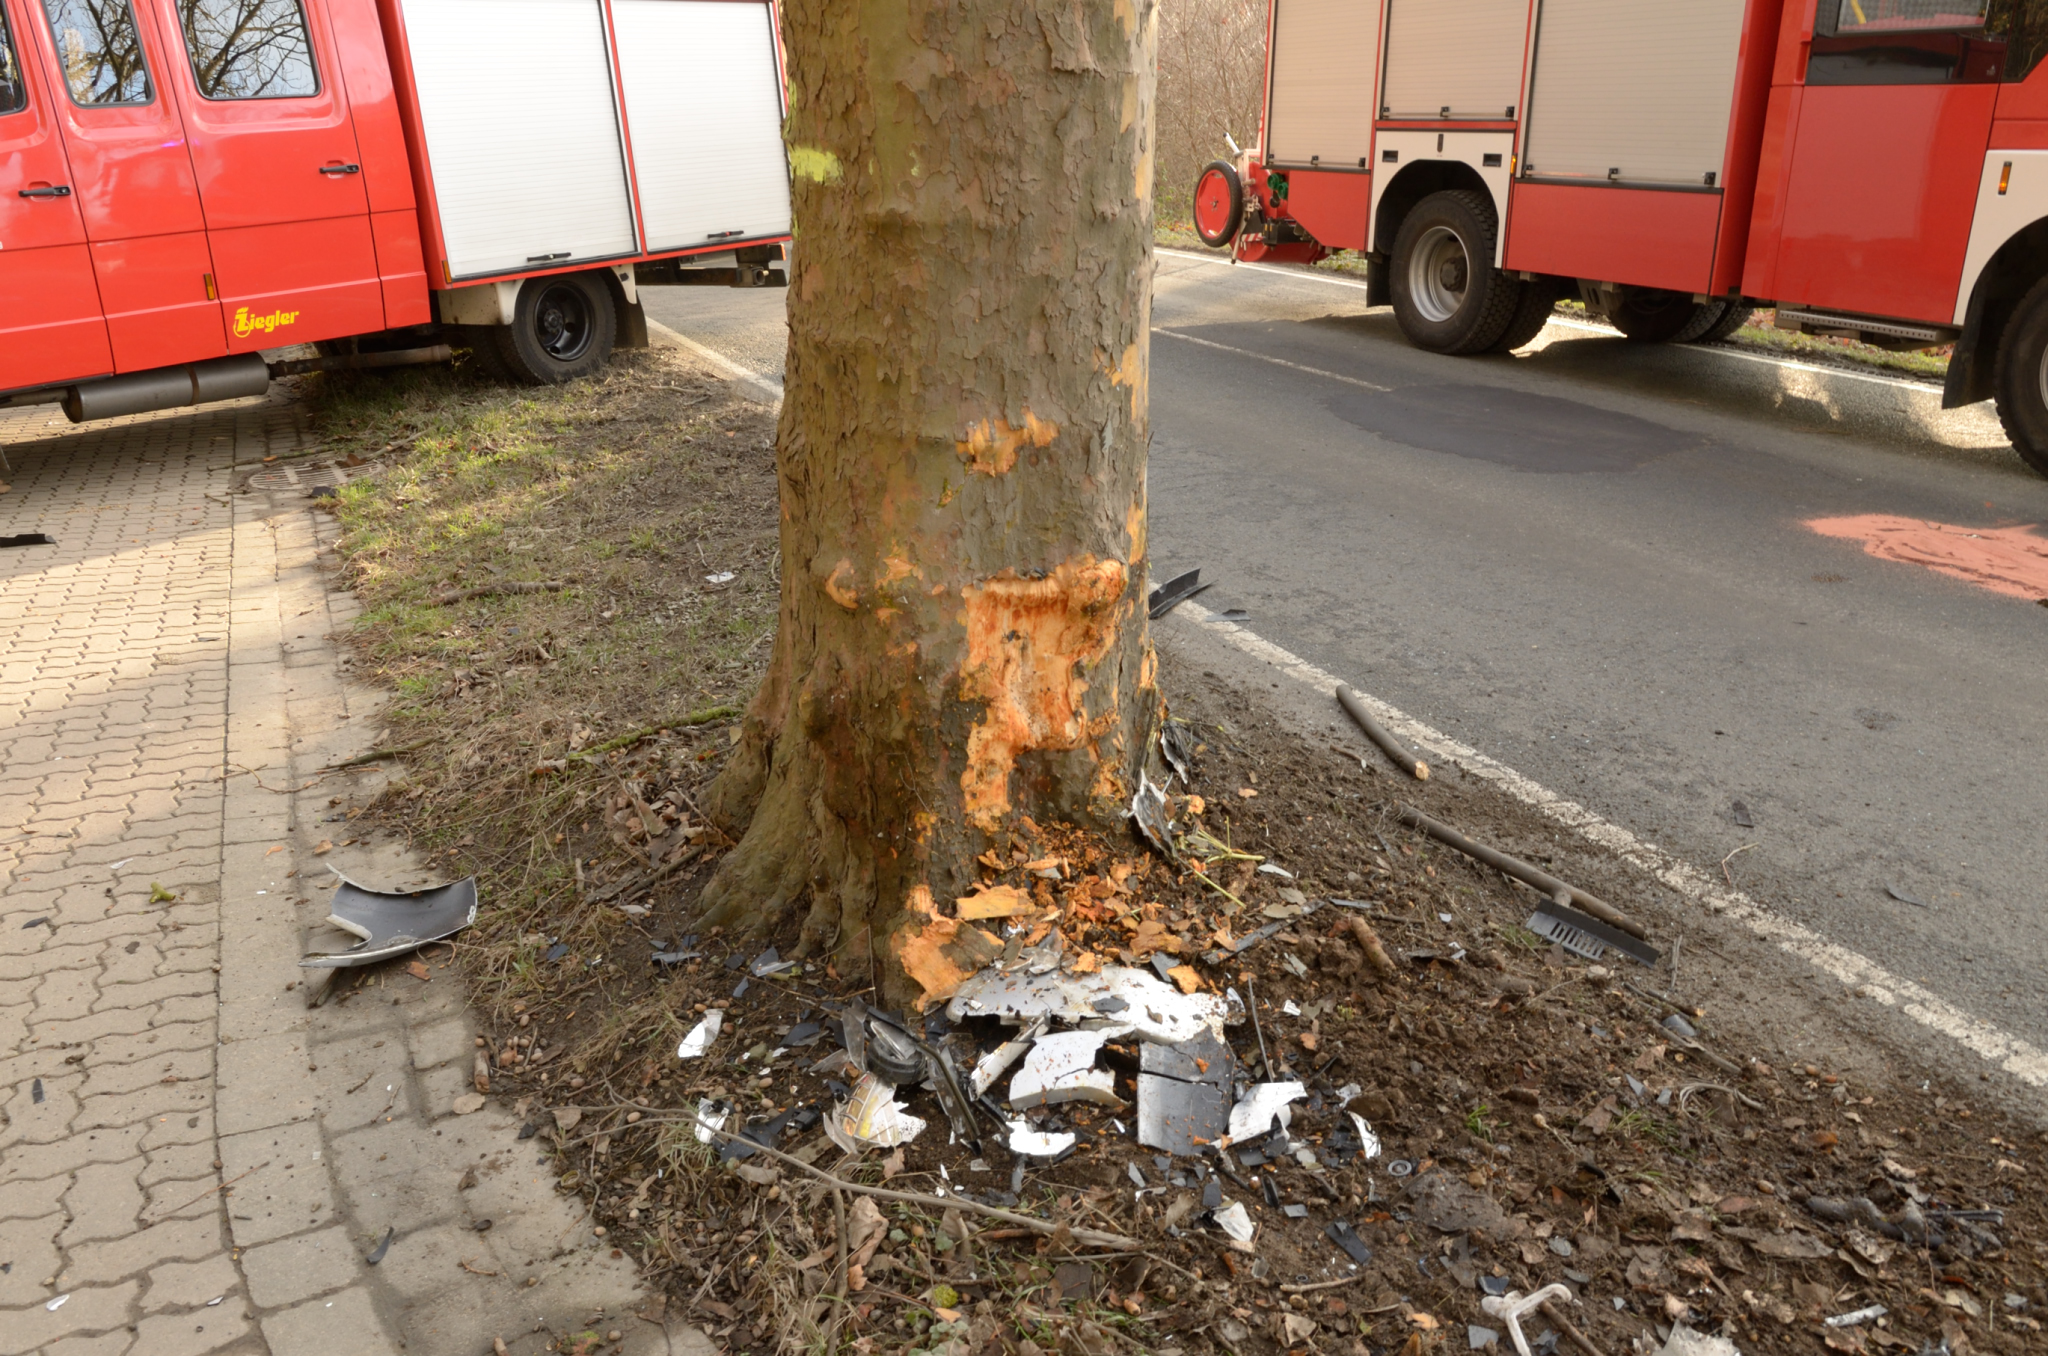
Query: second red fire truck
x,y
1871,168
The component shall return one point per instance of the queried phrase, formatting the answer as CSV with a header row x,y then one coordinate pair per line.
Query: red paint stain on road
x,y
2008,560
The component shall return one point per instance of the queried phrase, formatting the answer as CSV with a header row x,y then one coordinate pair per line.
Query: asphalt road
x,y
1589,560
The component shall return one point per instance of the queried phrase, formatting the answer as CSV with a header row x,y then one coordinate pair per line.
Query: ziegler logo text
x,y
246,324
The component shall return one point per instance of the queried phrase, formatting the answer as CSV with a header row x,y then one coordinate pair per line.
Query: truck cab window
x,y
13,98
1926,42
249,49
100,49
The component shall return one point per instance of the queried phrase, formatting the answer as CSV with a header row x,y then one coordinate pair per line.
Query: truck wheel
x,y
1532,313
563,327
1448,296
1649,315
1734,318
2022,378
1705,315
1219,204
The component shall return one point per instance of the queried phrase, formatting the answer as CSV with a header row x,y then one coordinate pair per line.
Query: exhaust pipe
x,y
168,388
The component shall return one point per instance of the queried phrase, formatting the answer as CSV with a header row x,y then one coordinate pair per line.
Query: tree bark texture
x,y
961,452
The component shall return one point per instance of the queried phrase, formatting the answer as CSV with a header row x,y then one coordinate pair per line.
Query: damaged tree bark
x,y
961,453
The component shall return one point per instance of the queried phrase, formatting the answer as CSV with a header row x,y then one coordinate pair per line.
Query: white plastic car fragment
x,y
1155,1009
1510,1308
1061,1068
1038,1143
997,1062
711,1114
701,1035
872,1115
1260,1107
1235,1220
1367,1139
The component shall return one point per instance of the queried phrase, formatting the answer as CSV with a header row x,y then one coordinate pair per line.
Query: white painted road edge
x,y
1858,974
1790,364
716,359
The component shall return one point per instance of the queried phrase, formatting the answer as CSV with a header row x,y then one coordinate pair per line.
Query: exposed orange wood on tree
x,y
939,953
990,446
1030,643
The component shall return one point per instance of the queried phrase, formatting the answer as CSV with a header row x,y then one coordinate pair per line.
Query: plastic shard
x,y
997,1062
701,1035
1156,1010
1061,1068
1235,1220
1184,1094
1148,812
1037,1143
393,923
1261,1106
872,1115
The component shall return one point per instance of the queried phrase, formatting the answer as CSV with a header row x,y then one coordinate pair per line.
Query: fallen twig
x,y
1403,756
1093,1237
1564,1325
1321,1285
453,596
376,756
476,1272
1543,881
1729,858
1375,954
219,1186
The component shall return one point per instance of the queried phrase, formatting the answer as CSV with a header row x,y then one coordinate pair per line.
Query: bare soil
x,y
1538,1121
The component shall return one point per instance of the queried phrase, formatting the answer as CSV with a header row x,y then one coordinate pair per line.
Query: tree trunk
x,y
962,639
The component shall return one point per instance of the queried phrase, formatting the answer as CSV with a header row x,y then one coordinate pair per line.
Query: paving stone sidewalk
x,y
191,1159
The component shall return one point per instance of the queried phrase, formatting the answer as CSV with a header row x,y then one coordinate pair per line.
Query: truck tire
x,y
1532,313
2021,378
1448,296
1734,318
1219,204
563,327
1649,315
1705,315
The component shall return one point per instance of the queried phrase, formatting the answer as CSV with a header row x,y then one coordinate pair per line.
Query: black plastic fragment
x,y
35,1091
1173,593
1344,1236
1272,1190
557,951
1743,818
1212,1194
803,1034
529,1130
1109,1003
1494,1285
735,961
1294,1211
377,1253
36,923
28,539
740,990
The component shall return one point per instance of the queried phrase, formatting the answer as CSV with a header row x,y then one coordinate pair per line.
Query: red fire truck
x,y
1871,168
187,183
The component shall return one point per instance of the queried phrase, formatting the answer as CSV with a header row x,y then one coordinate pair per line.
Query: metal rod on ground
x,y
1543,881
1265,1060
1403,756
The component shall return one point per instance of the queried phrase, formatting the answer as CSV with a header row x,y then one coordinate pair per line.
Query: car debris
x,y
1261,1106
872,1116
1344,1236
1548,885
997,1062
1037,1143
1235,1220
1061,1068
1870,1314
1743,818
1685,1342
711,1114
377,1253
1155,1010
391,923
1896,893
1184,1094
1403,756
701,1035
1176,746
1510,1308
1173,593
1586,936
1148,812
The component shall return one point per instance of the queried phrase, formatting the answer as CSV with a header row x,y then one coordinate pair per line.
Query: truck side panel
x,y
1644,237
1323,90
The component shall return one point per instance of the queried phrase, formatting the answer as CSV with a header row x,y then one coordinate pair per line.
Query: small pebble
x,y
613,1335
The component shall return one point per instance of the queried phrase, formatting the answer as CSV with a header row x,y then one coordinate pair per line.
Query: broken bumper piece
x,y
392,923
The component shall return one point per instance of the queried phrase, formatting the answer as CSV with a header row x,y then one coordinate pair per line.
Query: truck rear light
x,y
2005,178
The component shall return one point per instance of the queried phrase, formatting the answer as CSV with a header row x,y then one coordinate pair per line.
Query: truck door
x,y
280,176
51,328
133,182
1892,126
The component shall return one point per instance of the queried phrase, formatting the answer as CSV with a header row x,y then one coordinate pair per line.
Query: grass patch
x,y
553,738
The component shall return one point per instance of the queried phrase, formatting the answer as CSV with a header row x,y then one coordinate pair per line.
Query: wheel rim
x,y
1439,274
561,322
1212,205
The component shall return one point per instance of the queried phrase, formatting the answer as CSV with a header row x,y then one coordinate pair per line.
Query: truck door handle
x,y
48,191
341,169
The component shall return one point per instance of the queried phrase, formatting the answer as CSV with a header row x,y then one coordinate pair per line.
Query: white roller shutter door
x,y
1461,55
704,106
522,132
1642,89
1325,62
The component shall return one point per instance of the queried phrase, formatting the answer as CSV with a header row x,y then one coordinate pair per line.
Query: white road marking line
x,y
717,359
1790,364
1266,358
1857,973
